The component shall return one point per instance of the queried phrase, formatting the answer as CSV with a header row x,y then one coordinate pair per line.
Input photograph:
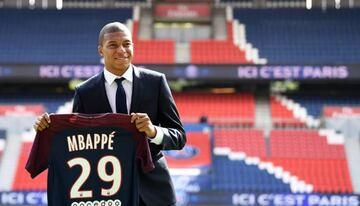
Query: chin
x,y
122,67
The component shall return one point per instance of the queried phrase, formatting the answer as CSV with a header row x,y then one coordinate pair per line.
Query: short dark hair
x,y
111,28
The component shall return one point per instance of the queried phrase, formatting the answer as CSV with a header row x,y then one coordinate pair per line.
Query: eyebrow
x,y
125,41
111,41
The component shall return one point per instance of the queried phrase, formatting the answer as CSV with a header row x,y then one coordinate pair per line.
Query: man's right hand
x,y
42,122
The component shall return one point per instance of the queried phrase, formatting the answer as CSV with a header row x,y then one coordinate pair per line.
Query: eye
x,y
112,46
127,44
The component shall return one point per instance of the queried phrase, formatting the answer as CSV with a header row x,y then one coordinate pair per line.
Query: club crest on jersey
x,y
90,141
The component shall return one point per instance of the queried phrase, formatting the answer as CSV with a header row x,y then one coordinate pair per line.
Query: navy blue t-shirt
x,y
92,159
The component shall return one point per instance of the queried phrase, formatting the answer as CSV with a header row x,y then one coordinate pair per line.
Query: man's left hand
x,y
143,124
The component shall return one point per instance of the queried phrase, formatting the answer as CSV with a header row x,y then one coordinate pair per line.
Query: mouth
x,y
121,58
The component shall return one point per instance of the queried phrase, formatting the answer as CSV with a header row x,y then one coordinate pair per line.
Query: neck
x,y
117,72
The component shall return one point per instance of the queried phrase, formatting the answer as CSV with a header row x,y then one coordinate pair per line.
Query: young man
x,y
148,100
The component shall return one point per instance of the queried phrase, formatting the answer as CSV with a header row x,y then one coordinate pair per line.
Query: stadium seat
x,y
22,179
2,142
71,35
30,103
152,51
314,103
306,154
249,141
296,36
210,51
282,116
236,109
237,175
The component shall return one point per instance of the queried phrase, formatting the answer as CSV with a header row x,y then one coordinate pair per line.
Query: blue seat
x,y
314,103
297,36
51,102
54,37
231,176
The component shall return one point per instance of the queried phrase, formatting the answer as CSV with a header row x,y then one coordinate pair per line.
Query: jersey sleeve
x,y
143,154
38,158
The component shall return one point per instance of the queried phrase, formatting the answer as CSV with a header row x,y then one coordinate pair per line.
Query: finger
x,y
43,124
141,115
35,127
47,117
148,130
142,119
142,125
42,120
144,128
39,127
133,117
138,116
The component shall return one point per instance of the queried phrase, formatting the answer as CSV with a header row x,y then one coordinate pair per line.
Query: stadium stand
x,y
317,161
145,52
21,109
22,179
249,141
83,47
67,36
217,52
211,51
2,142
289,36
83,2
36,104
236,109
314,103
285,4
298,45
310,156
282,116
333,111
282,156
227,173
247,146
303,144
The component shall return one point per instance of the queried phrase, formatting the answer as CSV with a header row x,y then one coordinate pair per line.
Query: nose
x,y
121,49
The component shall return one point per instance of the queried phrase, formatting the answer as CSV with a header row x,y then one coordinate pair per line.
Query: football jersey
x,y
92,160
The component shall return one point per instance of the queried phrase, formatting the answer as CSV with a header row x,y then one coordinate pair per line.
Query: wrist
x,y
152,133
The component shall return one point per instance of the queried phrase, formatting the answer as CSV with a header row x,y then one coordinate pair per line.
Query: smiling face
x,y
117,50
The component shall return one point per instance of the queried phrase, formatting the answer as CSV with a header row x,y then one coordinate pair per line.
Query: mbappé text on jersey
x,y
90,141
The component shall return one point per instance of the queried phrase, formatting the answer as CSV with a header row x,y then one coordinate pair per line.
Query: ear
x,y
100,50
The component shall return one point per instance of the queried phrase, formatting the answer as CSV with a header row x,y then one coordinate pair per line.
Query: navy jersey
x,y
91,159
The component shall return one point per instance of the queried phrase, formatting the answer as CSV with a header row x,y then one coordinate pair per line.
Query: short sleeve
x,y
143,154
38,158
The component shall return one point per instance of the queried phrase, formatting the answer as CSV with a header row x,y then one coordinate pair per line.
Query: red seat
x,y
281,116
307,155
152,51
218,108
249,141
22,180
211,51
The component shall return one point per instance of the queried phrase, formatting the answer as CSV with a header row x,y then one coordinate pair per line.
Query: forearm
x,y
173,139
